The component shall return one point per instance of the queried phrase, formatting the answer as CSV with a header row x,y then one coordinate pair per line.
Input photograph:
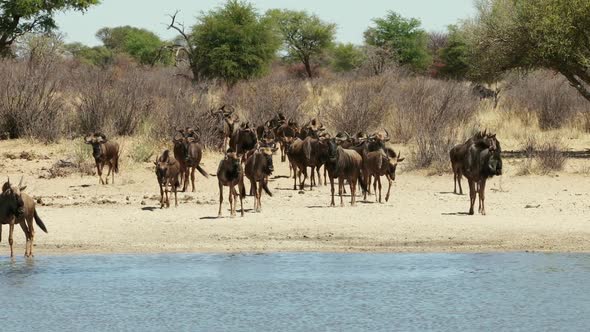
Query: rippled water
x,y
297,292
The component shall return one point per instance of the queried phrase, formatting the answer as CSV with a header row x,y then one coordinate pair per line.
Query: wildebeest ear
x,y
399,160
87,140
23,188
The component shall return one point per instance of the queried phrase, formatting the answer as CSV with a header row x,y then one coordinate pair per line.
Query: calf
x,y
231,174
168,174
376,165
104,152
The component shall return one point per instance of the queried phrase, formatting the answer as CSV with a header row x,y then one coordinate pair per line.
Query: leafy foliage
x,y
18,17
234,43
454,55
346,57
403,37
142,45
305,36
531,34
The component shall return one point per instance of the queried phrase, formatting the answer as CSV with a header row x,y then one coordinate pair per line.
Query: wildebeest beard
x,y
96,150
234,171
492,163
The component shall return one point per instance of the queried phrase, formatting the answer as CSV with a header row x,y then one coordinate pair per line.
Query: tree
x,y
346,57
96,56
305,36
529,34
232,43
142,45
18,17
454,55
403,37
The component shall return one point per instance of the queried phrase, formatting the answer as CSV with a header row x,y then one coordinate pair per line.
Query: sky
x,y
352,17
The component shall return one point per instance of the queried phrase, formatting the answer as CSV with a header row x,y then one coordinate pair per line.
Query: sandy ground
x,y
532,213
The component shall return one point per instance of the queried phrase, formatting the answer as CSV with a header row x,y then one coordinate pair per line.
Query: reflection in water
x,y
303,292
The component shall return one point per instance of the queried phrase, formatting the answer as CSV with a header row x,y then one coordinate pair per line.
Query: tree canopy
x,y
18,17
403,37
528,34
346,57
305,36
233,43
142,45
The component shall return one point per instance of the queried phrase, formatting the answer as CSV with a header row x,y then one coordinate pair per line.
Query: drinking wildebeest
x,y
104,152
231,174
344,164
458,153
257,169
168,174
481,163
17,207
188,152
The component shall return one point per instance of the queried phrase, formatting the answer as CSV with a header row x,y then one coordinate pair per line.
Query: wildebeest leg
x,y
220,198
185,177
378,179
388,188
332,189
175,188
340,190
27,237
252,188
312,178
161,195
302,184
325,176
353,192
109,172
482,197
10,237
459,176
166,191
472,195
294,177
259,197
368,179
193,178
99,171
241,202
231,201
319,177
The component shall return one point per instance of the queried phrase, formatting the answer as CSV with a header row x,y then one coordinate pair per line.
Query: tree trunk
x,y
307,64
578,81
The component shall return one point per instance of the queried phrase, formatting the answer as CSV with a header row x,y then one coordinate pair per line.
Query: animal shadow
x,y
455,214
149,208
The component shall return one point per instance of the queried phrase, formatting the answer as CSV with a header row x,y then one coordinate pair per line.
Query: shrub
x,y
550,157
435,112
361,105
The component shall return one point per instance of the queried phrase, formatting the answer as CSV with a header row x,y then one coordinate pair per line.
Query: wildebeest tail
x,y
40,222
265,187
202,171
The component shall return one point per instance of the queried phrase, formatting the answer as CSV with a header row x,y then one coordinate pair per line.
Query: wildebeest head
x,y
162,164
11,196
267,151
394,160
333,144
96,140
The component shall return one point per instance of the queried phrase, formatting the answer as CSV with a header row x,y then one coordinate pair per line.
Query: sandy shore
x,y
524,214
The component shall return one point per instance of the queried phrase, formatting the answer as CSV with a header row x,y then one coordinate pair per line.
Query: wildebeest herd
x,y
357,159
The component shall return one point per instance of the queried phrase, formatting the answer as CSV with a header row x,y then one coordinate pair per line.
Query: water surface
x,y
297,292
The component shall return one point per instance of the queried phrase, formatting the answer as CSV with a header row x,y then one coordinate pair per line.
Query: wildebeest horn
x,y
8,180
387,137
20,183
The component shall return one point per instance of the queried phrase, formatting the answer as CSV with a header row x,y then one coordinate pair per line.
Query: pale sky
x,y
352,17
